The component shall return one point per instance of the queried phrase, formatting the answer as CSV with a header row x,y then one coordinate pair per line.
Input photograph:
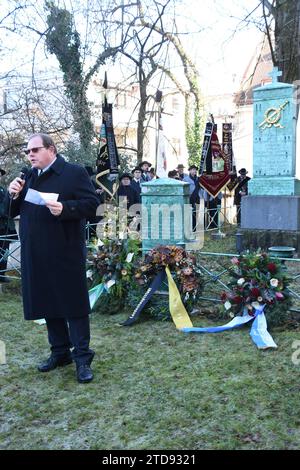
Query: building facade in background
x,y
125,119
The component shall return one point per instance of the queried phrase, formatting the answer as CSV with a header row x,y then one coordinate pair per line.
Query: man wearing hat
x,y
240,191
173,174
145,166
126,190
7,227
137,180
195,191
180,168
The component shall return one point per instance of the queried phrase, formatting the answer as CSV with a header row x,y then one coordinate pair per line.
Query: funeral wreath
x,y
185,272
258,280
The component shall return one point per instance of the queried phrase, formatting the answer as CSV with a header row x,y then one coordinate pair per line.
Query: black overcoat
x,y
53,249
242,186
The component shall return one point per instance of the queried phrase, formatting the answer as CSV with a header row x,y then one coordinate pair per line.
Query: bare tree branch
x,y
264,5
269,6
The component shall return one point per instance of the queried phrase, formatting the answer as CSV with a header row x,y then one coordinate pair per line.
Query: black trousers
x,y
64,334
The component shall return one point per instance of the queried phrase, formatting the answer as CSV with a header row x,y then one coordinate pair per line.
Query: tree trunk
x,y
287,39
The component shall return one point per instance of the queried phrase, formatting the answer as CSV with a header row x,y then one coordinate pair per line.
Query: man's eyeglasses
x,y
33,150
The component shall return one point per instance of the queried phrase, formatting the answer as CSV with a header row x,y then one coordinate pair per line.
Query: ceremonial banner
x,y
227,144
108,158
206,149
102,158
161,164
103,166
156,283
229,157
213,179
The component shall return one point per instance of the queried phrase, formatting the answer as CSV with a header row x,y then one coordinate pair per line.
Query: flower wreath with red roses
x,y
258,280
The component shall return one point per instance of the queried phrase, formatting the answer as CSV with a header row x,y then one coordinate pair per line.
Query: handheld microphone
x,y
23,173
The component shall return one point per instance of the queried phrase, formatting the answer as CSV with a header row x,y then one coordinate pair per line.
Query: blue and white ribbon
x,y
95,293
98,290
259,333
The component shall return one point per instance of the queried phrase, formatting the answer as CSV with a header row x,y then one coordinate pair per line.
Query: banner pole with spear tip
x,y
108,158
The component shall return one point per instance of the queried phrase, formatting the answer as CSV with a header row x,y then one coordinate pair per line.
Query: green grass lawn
x,y
154,388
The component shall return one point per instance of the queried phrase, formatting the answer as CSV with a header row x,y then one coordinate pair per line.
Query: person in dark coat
x,y
180,168
137,181
53,253
126,190
7,228
193,181
240,191
145,169
174,175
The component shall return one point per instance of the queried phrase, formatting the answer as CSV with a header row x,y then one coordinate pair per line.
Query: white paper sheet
x,y
41,199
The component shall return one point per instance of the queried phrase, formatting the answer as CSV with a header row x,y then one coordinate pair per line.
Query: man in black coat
x,y
137,181
126,190
193,181
53,252
240,191
145,167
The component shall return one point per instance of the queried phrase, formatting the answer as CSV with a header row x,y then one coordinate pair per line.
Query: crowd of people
x,y
130,188
130,183
196,194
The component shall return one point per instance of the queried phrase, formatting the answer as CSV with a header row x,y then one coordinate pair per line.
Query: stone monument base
x,y
254,239
270,220
271,213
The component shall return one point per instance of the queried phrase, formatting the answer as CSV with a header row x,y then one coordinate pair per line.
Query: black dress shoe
x,y
52,362
84,374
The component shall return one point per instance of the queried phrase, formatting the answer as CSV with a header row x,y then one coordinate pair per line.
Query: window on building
x,y
121,99
120,139
175,104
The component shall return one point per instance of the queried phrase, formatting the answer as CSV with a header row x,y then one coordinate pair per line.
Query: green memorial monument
x,y
271,211
166,218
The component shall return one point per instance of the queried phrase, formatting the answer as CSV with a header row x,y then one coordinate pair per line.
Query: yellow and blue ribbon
x,y
259,333
177,309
